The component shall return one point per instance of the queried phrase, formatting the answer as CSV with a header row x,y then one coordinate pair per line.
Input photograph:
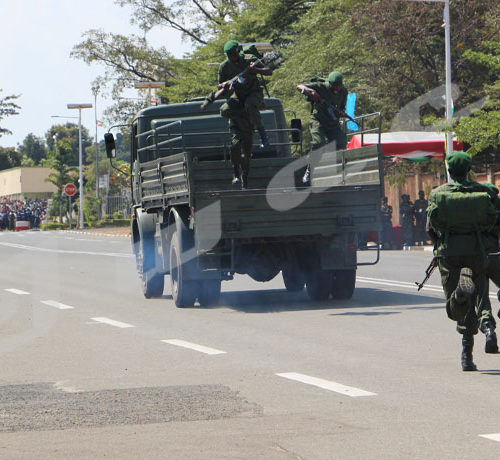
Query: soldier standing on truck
x,y
328,98
242,107
460,214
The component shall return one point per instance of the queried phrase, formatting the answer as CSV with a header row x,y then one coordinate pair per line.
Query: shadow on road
x,y
276,300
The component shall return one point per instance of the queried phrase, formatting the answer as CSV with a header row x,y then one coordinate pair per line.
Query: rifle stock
x,y
428,272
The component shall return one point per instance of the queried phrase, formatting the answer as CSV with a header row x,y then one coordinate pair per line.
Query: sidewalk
x,y
104,231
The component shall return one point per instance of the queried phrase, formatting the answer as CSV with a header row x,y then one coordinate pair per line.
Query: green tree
x,y
9,158
63,173
7,109
33,147
481,130
69,132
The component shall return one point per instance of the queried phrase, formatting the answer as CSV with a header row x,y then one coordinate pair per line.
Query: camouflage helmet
x,y
232,46
459,162
334,77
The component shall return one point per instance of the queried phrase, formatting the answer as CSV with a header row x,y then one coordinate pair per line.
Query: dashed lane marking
x,y
55,304
194,346
492,437
17,291
111,322
326,384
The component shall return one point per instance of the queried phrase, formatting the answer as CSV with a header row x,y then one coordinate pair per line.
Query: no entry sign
x,y
70,189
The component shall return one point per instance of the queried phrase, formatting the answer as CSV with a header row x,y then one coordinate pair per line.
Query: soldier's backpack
x,y
461,210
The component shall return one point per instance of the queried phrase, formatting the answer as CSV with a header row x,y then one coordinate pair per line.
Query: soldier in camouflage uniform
x,y
386,211
406,217
420,208
324,125
461,257
242,107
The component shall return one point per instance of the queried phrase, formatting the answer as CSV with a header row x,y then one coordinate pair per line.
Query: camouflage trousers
x,y
322,135
484,305
468,315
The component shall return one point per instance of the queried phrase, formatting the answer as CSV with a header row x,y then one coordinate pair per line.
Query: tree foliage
x,y
33,148
9,158
8,108
68,132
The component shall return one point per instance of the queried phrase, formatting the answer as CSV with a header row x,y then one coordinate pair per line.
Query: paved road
x,y
91,369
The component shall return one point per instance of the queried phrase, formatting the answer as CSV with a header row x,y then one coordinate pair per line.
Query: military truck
x,y
190,223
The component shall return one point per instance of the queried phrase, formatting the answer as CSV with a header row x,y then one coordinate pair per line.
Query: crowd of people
x,y
32,211
413,219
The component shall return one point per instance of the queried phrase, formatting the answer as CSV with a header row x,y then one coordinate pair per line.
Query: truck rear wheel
x,y
152,283
184,292
209,292
342,284
293,277
318,283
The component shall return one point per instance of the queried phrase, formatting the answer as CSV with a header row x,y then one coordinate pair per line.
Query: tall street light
x,y
447,52
80,155
95,91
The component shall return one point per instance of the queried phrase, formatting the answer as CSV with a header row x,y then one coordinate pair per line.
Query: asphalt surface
x,y
92,369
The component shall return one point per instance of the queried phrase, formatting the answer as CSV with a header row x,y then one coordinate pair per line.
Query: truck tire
x,y
152,283
318,284
184,293
293,278
342,284
209,292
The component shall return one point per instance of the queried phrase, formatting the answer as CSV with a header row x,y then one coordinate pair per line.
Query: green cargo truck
x,y
190,223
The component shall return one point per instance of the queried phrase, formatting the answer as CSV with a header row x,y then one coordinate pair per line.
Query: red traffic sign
x,y
70,189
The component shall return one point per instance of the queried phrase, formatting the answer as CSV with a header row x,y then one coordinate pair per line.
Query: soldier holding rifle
x,y
328,98
238,80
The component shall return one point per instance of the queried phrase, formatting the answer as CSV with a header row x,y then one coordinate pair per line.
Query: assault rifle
x,y
428,272
240,78
336,113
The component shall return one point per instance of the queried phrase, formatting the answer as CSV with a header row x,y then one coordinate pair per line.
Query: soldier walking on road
x,y
460,213
406,216
420,207
242,107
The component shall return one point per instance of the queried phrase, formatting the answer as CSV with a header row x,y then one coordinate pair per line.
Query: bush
x,y
54,226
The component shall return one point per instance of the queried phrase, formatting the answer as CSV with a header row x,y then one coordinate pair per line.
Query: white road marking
x,y
493,437
111,322
17,291
67,389
62,251
194,346
326,384
405,284
55,304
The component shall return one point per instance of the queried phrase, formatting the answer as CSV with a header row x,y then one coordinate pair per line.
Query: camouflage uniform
x,y
242,108
420,207
386,236
406,216
323,127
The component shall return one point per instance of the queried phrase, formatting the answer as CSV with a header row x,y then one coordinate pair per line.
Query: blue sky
x,y
36,39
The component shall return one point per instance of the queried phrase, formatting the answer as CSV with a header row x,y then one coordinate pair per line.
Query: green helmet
x,y
459,162
335,77
232,46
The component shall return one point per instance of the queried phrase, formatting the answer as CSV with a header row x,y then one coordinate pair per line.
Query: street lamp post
x,y
80,154
95,90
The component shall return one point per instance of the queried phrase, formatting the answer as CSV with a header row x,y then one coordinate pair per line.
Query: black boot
x,y
236,175
263,138
244,181
306,178
467,346
490,345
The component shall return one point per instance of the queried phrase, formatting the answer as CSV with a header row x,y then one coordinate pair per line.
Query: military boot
x,y
244,181
490,345
306,178
467,346
264,141
236,175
